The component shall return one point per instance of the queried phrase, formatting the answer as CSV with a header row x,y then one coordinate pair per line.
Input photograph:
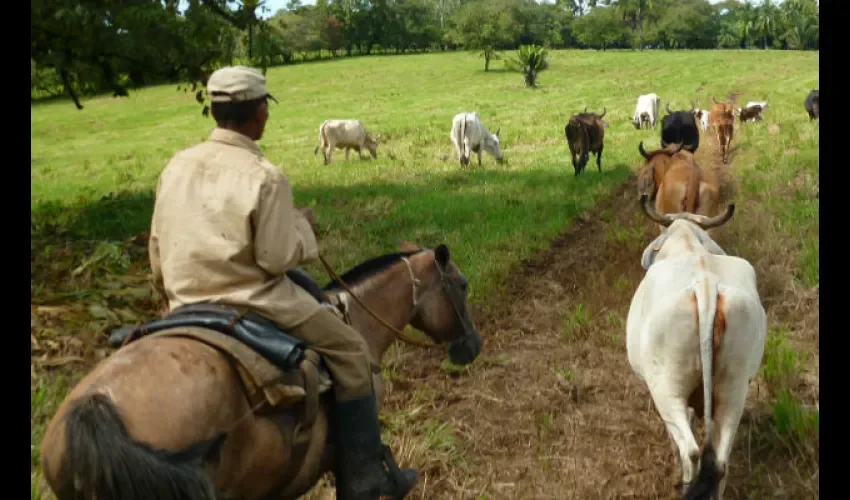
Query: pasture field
x,y
550,409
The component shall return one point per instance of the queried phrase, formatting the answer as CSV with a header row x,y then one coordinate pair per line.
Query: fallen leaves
x,y
79,292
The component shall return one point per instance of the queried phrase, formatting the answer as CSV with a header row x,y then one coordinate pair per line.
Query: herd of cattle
x,y
585,132
696,327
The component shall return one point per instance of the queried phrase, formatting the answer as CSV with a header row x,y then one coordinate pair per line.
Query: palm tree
x,y
765,21
529,60
635,10
798,20
489,54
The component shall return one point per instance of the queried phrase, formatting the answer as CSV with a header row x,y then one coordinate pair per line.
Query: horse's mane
x,y
368,268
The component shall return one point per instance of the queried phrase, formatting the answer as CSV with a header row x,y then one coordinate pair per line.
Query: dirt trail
x,y
553,409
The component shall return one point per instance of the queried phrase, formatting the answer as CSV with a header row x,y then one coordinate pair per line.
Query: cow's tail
x,y
708,478
102,460
692,191
322,139
574,131
462,134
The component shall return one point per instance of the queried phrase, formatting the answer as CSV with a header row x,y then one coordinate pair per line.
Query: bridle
x,y
447,284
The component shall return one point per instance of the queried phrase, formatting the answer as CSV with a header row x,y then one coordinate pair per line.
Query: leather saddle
x,y
260,334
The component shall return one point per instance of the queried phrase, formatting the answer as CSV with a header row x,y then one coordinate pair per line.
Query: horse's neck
x,y
390,296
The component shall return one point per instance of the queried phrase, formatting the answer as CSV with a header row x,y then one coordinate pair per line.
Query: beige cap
x,y
237,84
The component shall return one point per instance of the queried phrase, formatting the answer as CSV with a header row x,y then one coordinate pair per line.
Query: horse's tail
x,y
101,460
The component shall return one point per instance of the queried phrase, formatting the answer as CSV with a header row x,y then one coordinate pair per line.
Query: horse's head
x,y
441,310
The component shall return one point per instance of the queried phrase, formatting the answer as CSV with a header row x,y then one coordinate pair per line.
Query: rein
x,y
401,335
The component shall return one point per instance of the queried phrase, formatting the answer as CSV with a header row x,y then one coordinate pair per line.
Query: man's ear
x,y
262,112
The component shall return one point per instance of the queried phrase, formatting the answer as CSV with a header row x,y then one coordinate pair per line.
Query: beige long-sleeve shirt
x,y
225,230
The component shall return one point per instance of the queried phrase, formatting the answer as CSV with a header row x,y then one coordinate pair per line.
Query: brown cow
x,y
677,183
656,166
722,118
585,134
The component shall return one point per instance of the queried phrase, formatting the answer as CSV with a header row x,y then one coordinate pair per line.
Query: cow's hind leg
x,y
599,158
574,162
729,408
673,410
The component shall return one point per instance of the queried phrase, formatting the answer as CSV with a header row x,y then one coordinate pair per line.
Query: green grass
x,y
93,171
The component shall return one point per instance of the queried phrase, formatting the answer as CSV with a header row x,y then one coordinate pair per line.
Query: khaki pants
x,y
344,350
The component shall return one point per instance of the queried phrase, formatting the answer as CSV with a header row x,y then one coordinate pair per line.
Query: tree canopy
x,y
83,47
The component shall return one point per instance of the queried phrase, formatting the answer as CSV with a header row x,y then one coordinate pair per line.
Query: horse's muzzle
x,y
463,350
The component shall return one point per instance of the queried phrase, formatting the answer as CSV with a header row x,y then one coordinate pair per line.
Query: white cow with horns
x,y
470,135
646,111
695,335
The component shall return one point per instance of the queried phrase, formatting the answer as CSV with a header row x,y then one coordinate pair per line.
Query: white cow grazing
x,y
702,116
695,334
646,111
470,135
345,134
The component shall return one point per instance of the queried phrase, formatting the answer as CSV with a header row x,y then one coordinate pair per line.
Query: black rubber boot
x,y
366,469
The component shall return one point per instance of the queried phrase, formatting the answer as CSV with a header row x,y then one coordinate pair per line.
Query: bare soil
x,y
552,408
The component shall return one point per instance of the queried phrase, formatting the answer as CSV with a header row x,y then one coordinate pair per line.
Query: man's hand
x,y
308,214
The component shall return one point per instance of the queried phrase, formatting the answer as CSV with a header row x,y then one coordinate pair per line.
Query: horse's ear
x,y
406,246
442,254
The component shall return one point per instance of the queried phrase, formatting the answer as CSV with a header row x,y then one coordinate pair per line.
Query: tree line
x,y
95,46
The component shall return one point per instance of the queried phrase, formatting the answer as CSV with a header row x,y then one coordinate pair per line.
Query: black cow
x,y
585,133
680,127
752,113
813,105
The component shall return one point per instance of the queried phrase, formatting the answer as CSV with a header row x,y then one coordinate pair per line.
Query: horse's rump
x,y
263,381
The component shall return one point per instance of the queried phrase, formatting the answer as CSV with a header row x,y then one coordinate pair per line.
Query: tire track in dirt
x,y
552,408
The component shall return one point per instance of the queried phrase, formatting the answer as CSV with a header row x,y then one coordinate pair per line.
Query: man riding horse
x,y
225,231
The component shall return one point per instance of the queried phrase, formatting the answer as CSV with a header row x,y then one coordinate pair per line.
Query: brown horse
x,y
168,417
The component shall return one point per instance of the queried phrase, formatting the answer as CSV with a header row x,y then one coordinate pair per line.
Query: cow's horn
x,y
719,220
604,110
642,151
664,220
668,108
